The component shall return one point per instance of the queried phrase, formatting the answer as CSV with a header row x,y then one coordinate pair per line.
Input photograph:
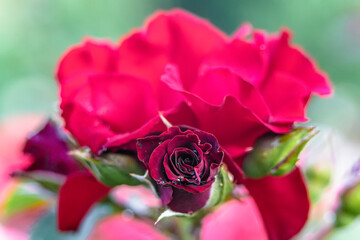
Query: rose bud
x,y
183,163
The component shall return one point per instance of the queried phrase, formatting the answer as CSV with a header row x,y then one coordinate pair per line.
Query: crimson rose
x,y
183,164
235,87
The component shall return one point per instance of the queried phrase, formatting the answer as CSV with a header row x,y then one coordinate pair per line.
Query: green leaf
x,y
220,189
22,198
276,154
110,170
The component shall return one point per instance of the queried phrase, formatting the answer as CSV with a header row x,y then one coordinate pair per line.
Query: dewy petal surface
x,y
283,203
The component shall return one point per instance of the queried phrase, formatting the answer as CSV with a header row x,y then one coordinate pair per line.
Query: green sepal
x,y
276,154
111,171
220,189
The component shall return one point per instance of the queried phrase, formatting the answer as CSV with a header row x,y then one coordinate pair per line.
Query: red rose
x,y
114,91
184,164
234,88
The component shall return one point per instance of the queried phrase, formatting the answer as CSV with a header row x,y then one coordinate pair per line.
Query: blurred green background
x,y
34,33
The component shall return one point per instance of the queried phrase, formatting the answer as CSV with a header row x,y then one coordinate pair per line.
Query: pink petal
x,y
234,220
121,227
14,131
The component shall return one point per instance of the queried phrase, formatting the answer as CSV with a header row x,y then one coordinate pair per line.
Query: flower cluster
x,y
189,102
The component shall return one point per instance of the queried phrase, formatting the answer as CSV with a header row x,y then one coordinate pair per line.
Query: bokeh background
x,y
34,33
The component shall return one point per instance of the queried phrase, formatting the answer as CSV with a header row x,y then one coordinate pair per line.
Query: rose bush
x,y
184,164
235,87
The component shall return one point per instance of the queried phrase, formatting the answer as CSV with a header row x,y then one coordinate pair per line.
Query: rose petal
x,y
77,195
233,220
50,151
288,100
118,99
294,61
182,141
176,37
165,193
156,167
186,202
283,203
88,57
121,227
243,58
103,100
245,124
86,127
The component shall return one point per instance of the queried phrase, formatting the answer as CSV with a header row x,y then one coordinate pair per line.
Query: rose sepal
x,y
220,189
110,173
276,154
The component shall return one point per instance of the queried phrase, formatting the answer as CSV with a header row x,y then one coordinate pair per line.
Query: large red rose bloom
x,y
236,88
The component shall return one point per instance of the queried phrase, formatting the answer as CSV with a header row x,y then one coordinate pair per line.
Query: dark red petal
x,y
283,203
77,195
156,167
49,151
165,193
172,173
182,141
234,220
195,188
186,202
169,37
145,147
88,57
